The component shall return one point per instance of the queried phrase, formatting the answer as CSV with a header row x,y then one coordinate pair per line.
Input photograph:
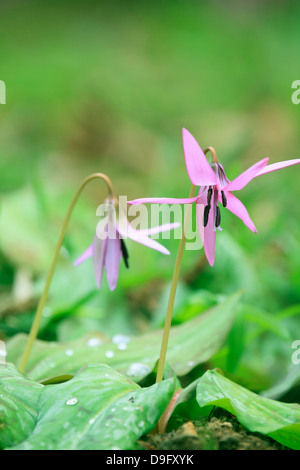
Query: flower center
x,y
212,193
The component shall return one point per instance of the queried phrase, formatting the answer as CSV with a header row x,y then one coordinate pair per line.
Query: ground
x,y
224,433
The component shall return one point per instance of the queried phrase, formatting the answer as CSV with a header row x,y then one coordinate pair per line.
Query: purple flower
x,y
215,188
109,247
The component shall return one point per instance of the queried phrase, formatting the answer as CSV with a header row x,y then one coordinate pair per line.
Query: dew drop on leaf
x,y
94,342
118,339
137,369
109,354
72,401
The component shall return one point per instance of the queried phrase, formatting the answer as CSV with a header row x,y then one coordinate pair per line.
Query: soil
x,y
215,434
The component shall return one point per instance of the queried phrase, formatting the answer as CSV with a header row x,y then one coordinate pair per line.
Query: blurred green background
x,y
107,86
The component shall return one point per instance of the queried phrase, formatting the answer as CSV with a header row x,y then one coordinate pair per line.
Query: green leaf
x,y
280,421
236,344
191,343
187,407
18,405
265,322
98,409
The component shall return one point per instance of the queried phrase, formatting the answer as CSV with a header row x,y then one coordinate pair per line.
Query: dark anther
x,y
206,214
209,195
218,216
124,253
224,200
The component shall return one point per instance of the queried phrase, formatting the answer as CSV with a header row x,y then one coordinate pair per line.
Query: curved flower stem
x,y
37,319
213,153
166,333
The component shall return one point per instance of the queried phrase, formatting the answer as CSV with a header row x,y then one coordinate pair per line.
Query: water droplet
x,y
92,420
137,369
113,409
120,339
69,352
94,342
72,401
122,346
191,363
109,354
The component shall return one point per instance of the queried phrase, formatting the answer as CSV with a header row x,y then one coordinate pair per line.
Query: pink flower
x,y
108,246
215,188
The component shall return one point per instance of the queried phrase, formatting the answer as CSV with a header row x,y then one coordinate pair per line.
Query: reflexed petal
x,y
127,231
278,166
113,254
244,178
99,247
159,229
198,168
237,207
208,233
163,200
87,254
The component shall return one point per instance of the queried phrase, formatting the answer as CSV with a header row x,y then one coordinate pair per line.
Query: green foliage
x,y
281,421
18,406
97,409
191,343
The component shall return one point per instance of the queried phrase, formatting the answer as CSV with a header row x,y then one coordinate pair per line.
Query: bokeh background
x,y
107,86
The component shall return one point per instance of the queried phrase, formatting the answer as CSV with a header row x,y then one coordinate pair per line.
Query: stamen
x,y
224,200
218,216
209,196
206,214
124,253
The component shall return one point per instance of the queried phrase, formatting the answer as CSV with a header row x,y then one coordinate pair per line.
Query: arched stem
x,y
213,154
37,319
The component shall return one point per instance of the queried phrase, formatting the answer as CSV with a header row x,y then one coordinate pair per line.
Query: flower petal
x,y
99,247
163,200
237,207
159,229
127,231
245,177
87,254
198,168
113,254
208,233
278,166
